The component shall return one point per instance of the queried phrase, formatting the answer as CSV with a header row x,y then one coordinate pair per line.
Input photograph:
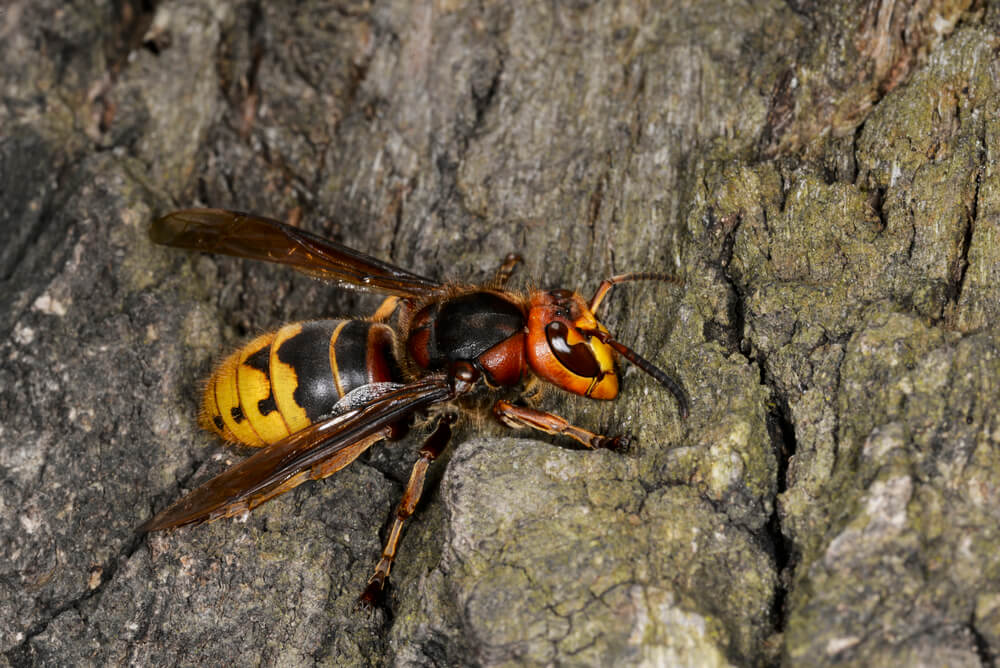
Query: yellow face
x,y
563,349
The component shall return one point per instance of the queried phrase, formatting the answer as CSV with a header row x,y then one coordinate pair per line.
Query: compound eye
x,y
577,357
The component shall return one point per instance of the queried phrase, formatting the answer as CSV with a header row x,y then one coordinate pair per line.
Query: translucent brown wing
x,y
315,452
259,238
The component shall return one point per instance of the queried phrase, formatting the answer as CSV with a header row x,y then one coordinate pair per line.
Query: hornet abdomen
x,y
284,381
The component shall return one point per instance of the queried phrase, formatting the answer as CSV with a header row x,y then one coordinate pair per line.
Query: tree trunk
x,y
822,175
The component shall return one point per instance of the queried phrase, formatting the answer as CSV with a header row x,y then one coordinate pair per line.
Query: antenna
x,y
635,358
609,283
638,360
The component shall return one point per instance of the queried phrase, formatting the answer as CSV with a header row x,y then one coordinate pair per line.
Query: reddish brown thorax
x,y
484,327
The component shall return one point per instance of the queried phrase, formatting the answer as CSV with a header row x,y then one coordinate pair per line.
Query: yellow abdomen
x,y
283,381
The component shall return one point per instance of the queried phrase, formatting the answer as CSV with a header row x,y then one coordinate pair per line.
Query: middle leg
x,y
507,269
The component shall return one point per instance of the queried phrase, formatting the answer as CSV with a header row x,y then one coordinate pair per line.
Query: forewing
x,y
314,452
259,238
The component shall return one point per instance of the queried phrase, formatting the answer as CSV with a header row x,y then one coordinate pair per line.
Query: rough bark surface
x,y
823,175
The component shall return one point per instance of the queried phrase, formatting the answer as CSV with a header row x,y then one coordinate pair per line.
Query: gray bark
x,y
823,176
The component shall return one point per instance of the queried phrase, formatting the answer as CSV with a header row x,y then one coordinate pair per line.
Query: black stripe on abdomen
x,y
351,349
308,354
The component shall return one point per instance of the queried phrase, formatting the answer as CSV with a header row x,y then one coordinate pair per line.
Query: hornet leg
x,y
385,309
506,269
433,446
519,416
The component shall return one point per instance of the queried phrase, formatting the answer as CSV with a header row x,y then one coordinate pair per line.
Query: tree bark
x,y
823,176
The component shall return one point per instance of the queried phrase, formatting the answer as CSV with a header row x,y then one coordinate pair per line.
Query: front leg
x,y
520,416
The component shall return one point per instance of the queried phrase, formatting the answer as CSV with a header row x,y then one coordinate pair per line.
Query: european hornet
x,y
314,395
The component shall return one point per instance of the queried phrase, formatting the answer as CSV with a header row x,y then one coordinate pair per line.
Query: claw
x,y
371,597
620,443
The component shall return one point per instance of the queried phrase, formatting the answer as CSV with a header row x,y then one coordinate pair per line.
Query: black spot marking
x,y
237,414
219,424
266,406
261,361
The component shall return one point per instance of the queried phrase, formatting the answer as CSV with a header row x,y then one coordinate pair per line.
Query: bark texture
x,y
823,175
